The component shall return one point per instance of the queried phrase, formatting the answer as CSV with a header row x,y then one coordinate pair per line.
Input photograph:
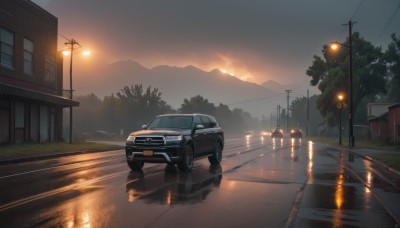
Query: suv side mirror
x,y
144,126
199,127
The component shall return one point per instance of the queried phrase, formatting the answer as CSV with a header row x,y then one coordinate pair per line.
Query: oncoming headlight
x,y
130,139
173,138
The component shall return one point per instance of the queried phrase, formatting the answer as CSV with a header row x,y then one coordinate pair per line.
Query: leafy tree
x,y
86,115
392,57
111,109
197,104
232,121
331,74
298,109
139,107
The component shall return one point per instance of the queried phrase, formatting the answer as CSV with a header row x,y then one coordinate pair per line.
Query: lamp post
x,y
70,43
334,46
340,106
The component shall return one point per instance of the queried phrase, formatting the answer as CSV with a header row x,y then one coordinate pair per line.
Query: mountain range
x,y
178,83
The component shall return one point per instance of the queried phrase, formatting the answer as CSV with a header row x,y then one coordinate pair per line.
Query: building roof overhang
x,y
26,94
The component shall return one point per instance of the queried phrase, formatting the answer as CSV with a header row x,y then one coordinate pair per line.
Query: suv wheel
x,y
187,160
216,158
135,165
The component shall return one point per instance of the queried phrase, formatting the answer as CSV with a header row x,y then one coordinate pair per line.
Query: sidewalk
x,y
370,153
114,145
390,200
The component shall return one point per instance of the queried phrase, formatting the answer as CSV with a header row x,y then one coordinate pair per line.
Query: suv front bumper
x,y
170,154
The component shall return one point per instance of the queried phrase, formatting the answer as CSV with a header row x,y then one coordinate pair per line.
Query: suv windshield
x,y
181,122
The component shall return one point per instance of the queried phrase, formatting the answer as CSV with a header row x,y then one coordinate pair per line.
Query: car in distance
x,y
296,133
176,139
277,133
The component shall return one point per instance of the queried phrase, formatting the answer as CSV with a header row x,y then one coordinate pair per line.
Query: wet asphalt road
x,y
261,182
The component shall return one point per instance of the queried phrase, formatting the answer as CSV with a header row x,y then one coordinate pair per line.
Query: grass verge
x,y
29,150
390,159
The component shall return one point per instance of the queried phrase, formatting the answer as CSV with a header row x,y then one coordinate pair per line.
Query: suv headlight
x,y
173,138
130,140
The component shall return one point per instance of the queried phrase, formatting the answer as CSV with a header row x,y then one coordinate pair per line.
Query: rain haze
x,y
255,41
206,113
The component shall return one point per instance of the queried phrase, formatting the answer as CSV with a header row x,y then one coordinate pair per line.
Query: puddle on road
x,y
173,187
331,197
346,178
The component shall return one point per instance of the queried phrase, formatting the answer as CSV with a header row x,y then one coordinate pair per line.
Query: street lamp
x,y
72,45
335,46
340,106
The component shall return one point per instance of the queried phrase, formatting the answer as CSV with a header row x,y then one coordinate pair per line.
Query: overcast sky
x,y
255,40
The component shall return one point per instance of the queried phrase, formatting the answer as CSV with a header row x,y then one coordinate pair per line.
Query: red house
x,y
394,123
31,80
387,125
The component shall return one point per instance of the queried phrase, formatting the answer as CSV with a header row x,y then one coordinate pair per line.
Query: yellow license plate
x,y
148,153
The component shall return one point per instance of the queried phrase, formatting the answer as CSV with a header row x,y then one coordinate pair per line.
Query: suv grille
x,y
149,140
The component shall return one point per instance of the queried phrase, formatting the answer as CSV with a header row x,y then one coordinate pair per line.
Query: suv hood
x,y
162,132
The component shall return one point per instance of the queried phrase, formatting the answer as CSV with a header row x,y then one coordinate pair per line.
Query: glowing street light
x,y
334,46
341,105
86,53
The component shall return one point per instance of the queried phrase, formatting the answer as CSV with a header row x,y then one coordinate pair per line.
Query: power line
x,y
256,99
351,18
358,8
63,36
387,23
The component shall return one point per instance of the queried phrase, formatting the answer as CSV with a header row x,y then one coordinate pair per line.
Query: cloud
x,y
256,39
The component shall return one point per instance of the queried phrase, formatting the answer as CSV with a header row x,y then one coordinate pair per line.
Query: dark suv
x,y
176,139
277,132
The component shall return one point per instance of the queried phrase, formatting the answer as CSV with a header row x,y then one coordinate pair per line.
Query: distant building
x,y
387,126
31,80
377,109
378,127
394,123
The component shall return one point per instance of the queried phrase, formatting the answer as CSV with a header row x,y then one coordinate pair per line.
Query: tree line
x,y
133,106
376,78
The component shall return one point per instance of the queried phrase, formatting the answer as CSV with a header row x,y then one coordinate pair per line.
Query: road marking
x,y
57,191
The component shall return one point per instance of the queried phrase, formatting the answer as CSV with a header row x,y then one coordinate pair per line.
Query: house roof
x,y
384,116
394,106
16,92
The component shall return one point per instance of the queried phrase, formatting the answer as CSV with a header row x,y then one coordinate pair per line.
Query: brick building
x,y
31,80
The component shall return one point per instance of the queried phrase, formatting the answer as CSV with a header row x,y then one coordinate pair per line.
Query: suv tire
x,y
187,159
216,158
135,165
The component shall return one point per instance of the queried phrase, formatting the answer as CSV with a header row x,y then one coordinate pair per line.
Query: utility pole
x,y
278,110
71,44
270,122
287,110
351,108
308,111
263,127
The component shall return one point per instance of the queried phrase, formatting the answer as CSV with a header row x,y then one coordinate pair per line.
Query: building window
x,y
28,57
6,48
50,69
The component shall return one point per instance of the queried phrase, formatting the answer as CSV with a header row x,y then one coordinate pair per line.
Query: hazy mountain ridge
x,y
175,83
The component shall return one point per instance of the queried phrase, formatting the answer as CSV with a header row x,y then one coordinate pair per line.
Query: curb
x,y
49,156
395,171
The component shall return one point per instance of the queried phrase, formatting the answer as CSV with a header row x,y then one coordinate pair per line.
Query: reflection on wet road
x,y
261,182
